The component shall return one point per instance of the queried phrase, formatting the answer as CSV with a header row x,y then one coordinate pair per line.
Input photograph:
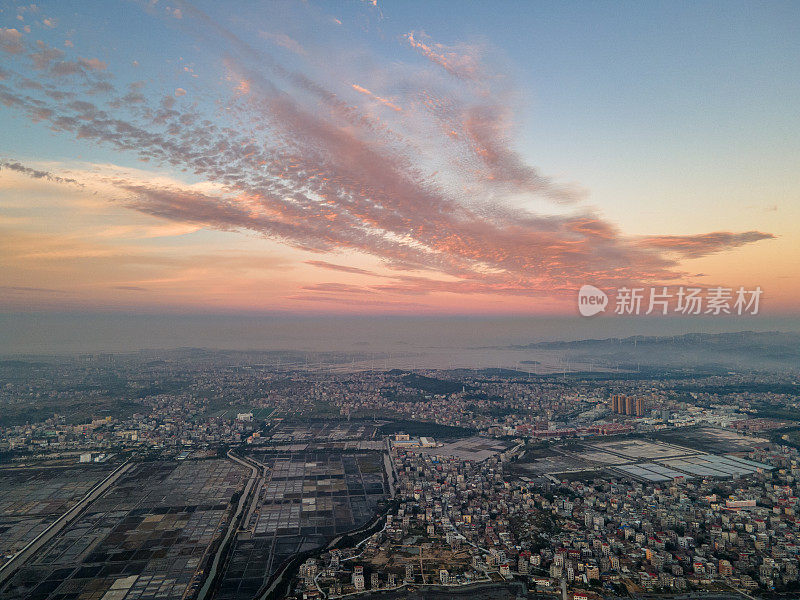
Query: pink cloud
x,y
94,64
329,178
458,61
695,246
338,288
322,264
11,41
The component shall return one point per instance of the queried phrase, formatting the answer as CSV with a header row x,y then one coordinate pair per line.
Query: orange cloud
x,y
383,101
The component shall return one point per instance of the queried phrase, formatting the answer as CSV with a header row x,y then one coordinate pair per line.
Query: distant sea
x,y
387,341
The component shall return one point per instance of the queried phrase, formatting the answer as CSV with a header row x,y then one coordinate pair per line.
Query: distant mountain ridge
x,y
751,350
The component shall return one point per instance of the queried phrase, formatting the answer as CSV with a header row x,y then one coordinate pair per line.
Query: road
x,y
232,526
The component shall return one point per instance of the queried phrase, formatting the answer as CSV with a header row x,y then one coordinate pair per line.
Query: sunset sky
x,y
394,157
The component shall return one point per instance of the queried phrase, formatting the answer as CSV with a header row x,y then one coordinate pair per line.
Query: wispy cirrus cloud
x,y
460,61
695,246
323,264
384,101
291,160
338,288
284,41
35,173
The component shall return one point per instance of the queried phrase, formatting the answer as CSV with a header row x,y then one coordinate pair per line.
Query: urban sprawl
x,y
244,475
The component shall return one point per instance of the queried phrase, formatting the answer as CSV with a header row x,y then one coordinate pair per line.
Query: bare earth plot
x,y
472,448
650,461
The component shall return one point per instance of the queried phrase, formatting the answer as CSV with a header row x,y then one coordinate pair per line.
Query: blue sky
x,y
673,126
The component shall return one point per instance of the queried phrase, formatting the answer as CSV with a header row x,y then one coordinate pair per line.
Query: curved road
x,y
232,526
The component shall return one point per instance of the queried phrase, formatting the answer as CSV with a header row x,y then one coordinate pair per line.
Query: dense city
x,y
242,475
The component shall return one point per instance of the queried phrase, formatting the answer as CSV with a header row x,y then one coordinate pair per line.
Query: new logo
x,y
591,300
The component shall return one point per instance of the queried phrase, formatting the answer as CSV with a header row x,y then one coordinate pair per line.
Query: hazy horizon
x,y
67,333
